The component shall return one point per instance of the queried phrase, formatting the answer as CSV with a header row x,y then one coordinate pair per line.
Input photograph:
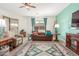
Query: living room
x,y
38,29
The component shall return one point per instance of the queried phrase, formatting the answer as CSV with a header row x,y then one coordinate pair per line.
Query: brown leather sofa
x,y
41,37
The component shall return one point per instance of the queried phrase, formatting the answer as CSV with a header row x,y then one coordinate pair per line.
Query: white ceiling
x,y
42,9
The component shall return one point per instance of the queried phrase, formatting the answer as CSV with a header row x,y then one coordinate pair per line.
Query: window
x,y
11,24
14,25
39,25
39,21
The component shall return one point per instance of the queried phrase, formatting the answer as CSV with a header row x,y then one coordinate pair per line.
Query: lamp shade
x,y
56,25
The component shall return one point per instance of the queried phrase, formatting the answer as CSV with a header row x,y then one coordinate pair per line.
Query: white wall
x,y
50,23
26,24
25,21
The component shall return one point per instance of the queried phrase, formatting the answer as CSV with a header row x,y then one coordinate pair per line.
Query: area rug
x,y
54,51
33,51
37,49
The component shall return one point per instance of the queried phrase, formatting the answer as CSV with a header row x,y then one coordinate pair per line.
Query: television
x,y
75,19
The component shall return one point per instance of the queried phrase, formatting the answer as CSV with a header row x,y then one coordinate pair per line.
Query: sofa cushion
x,y
48,33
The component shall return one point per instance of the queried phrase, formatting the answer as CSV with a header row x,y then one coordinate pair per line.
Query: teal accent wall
x,y
64,20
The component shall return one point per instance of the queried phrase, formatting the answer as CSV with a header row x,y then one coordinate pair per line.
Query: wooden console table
x,y
72,42
10,41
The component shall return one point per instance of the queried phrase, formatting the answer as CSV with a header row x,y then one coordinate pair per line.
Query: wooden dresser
x,y
72,42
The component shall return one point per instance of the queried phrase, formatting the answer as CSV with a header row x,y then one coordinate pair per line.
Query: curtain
x,y
2,28
45,22
1,32
33,24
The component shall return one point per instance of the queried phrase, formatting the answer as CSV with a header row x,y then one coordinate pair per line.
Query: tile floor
x,y
43,48
48,49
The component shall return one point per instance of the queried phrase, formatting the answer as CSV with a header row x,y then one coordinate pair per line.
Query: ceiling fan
x,y
27,5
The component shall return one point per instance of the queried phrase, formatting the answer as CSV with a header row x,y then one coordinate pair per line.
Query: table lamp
x,y
56,27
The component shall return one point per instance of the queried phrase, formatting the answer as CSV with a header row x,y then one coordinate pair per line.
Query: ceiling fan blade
x,y
33,6
29,4
21,6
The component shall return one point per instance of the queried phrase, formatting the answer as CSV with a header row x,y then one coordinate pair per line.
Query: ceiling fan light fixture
x,y
27,7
